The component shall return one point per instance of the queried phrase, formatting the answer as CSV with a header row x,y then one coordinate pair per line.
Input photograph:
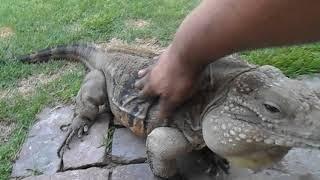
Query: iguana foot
x,y
215,162
79,127
218,164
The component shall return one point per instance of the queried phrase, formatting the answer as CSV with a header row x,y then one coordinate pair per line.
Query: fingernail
x,y
140,73
136,84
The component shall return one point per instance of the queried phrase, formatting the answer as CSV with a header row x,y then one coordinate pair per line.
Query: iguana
x,y
251,115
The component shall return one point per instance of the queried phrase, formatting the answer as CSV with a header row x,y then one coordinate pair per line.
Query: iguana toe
x,y
65,143
86,129
79,127
64,127
222,164
216,163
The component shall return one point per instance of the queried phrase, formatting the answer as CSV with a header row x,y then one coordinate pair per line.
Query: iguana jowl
x,y
247,114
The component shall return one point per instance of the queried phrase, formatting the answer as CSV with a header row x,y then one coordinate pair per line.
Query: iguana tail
x,y
85,53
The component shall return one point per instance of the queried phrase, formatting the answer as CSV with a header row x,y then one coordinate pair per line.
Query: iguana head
x,y
263,115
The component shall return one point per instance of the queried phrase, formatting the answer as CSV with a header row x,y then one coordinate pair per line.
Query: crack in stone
x,y
99,165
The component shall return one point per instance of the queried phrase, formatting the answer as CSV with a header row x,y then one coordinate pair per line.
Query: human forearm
x,y
220,27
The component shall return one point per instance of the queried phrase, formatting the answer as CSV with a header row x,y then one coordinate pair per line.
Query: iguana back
x,y
120,69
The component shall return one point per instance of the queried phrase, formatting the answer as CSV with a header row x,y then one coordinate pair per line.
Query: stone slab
x,y
90,150
127,148
133,172
39,152
85,174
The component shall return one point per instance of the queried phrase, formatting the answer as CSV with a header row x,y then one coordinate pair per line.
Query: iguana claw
x,y
79,127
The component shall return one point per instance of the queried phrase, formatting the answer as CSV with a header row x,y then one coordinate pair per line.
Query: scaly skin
x,y
250,115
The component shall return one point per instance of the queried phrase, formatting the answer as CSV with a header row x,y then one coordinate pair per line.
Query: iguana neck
x,y
212,89
224,70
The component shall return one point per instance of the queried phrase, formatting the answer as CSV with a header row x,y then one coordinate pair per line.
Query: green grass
x,y
38,24
292,61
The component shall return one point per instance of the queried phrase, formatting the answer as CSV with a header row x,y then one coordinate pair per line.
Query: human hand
x,y
170,79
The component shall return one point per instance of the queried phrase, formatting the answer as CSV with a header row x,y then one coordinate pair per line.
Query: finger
x,y
166,108
139,84
147,92
156,57
143,72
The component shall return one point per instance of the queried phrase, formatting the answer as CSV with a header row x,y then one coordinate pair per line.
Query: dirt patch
x,y
137,23
4,93
6,32
151,43
27,86
6,129
73,28
142,47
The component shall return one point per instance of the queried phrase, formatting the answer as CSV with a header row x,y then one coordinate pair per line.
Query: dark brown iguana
x,y
248,114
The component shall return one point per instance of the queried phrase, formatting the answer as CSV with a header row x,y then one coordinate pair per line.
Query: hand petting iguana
x,y
248,114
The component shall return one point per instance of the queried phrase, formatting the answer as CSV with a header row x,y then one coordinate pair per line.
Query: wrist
x,y
186,62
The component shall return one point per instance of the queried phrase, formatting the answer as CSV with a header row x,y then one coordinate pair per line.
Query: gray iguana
x,y
250,115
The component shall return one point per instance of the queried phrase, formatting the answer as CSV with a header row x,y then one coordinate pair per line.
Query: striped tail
x,y
79,52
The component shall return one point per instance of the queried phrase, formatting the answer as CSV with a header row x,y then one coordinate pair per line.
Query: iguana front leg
x,y
164,145
92,94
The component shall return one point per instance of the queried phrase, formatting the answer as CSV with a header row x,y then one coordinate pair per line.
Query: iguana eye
x,y
271,107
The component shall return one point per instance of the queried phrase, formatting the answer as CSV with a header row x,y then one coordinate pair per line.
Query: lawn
x,y
26,26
